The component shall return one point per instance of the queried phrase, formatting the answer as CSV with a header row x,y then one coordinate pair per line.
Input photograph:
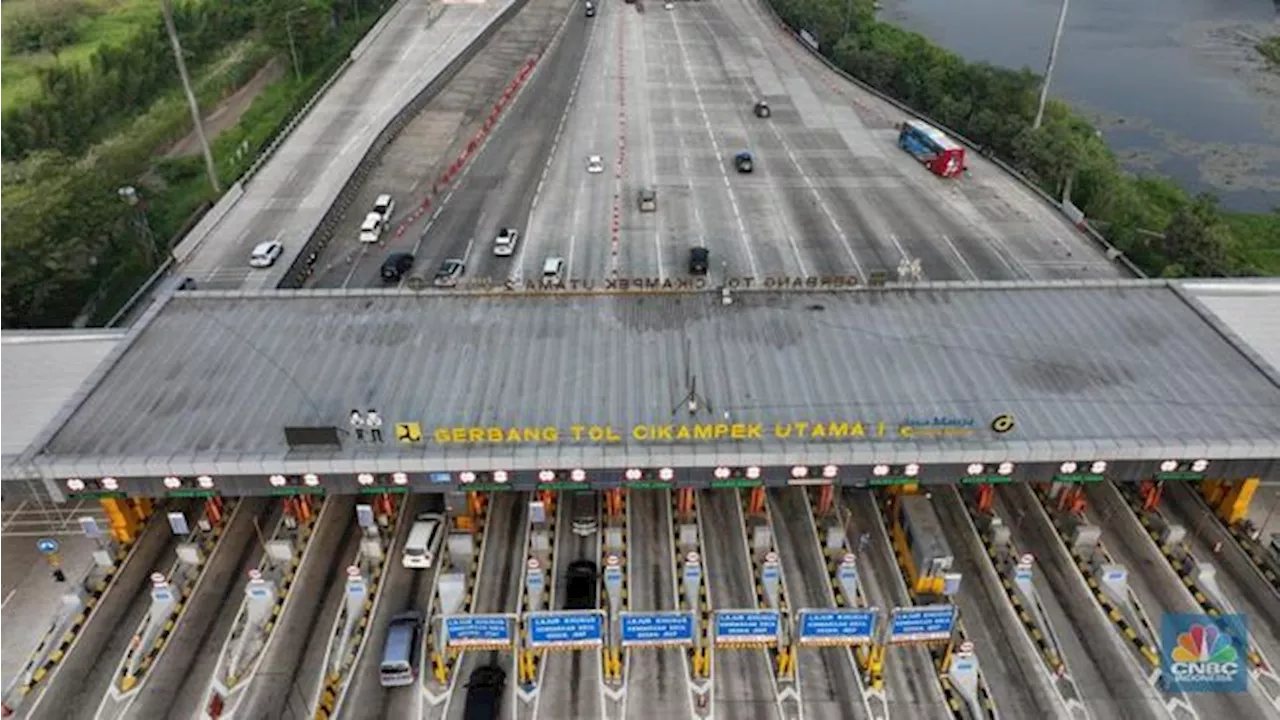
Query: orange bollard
x,y
212,512
303,506
548,499
756,504
826,494
986,497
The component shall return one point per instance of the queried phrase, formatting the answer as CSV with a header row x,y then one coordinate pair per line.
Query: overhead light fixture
x,y
278,480
880,470
110,483
365,478
975,469
1168,466
911,470
467,476
1098,467
546,475
666,474
173,482
1200,466
830,471
75,484
205,482
799,471
722,473
311,479
578,475
1006,468
753,473
400,478
499,476
634,474
1068,468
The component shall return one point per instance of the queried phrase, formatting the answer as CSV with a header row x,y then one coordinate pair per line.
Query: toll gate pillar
x,y
124,519
1235,505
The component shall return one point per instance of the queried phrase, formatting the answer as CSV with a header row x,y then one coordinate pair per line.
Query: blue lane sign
x,y
747,627
656,629
565,629
837,627
926,623
47,546
478,631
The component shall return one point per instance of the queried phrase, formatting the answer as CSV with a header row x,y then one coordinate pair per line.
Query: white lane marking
x,y
7,598
715,143
466,254
355,264
967,268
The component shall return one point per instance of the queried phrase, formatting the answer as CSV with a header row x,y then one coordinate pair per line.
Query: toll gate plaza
x,y
943,500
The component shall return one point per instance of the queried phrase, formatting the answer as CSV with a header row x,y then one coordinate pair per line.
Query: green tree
x,y
1197,238
48,27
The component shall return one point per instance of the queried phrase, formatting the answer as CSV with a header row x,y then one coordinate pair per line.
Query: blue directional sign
x,y
656,629
478,631
926,623
565,629
747,627
837,627
47,546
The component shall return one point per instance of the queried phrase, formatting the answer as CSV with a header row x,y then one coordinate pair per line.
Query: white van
x,y
553,271
371,228
420,548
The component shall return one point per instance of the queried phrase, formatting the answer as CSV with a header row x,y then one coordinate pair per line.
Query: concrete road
x,y
1112,684
742,678
571,686
415,160
657,678
292,192
182,670
1009,663
829,686
497,591
401,590
1158,589
910,680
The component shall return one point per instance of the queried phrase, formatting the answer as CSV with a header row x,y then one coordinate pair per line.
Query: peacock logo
x,y
1203,644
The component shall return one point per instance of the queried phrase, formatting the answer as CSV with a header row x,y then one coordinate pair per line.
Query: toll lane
x,y
829,686
399,591
82,677
175,684
288,675
742,678
571,679
1111,683
910,678
656,677
497,590
1156,587
1008,661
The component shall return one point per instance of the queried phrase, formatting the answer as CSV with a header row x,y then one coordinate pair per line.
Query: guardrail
x,y
1112,252
304,264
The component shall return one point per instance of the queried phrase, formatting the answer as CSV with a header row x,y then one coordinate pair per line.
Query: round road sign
x,y
47,546
966,647
771,557
353,571
157,578
691,557
612,561
534,564
1026,559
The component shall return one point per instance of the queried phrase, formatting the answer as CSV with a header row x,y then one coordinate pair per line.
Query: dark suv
x,y
484,693
396,266
698,259
580,593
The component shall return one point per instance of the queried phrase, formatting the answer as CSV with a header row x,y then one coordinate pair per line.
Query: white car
x,y
371,228
384,206
265,254
505,244
595,164
670,6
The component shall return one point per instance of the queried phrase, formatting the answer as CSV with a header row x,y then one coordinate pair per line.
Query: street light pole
x,y
293,48
1048,71
166,7
129,195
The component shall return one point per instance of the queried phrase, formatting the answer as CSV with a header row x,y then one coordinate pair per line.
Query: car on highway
x,y
400,651
699,259
420,546
384,206
264,254
591,10
505,244
580,590
648,199
396,266
553,272
670,6
595,164
484,693
371,228
762,109
449,272
584,514
743,162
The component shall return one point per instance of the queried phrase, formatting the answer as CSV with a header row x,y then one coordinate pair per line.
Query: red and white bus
x,y
943,156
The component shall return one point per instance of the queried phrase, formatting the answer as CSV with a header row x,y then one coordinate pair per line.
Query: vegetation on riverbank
x,y
1270,49
106,103
1163,229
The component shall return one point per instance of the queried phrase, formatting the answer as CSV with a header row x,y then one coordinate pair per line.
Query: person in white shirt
x,y
375,425
357,425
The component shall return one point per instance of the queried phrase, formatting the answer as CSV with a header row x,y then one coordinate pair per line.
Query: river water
x,y
1176,85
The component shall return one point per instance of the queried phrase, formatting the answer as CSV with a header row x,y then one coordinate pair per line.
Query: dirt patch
x,y
228,111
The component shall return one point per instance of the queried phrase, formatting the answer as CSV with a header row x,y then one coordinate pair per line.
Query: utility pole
x,y
166,6
1048,71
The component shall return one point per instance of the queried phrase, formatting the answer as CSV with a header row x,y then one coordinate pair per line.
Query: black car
x,y
743,162
699,257
581,581
484,693
396,266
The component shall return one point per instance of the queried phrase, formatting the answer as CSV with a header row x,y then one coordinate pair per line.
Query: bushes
x,y
48,27
995,108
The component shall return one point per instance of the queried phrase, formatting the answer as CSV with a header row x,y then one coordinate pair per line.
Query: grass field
x,y
106,22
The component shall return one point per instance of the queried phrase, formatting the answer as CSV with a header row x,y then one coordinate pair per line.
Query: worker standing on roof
x,y
375,425
357,425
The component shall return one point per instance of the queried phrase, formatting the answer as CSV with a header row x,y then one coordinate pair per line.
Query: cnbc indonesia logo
x,y
1204,658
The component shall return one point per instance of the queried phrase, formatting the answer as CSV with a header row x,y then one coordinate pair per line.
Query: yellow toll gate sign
x,y
409,433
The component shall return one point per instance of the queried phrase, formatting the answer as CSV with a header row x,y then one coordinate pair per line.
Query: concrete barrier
x,y
304,263
1111,251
